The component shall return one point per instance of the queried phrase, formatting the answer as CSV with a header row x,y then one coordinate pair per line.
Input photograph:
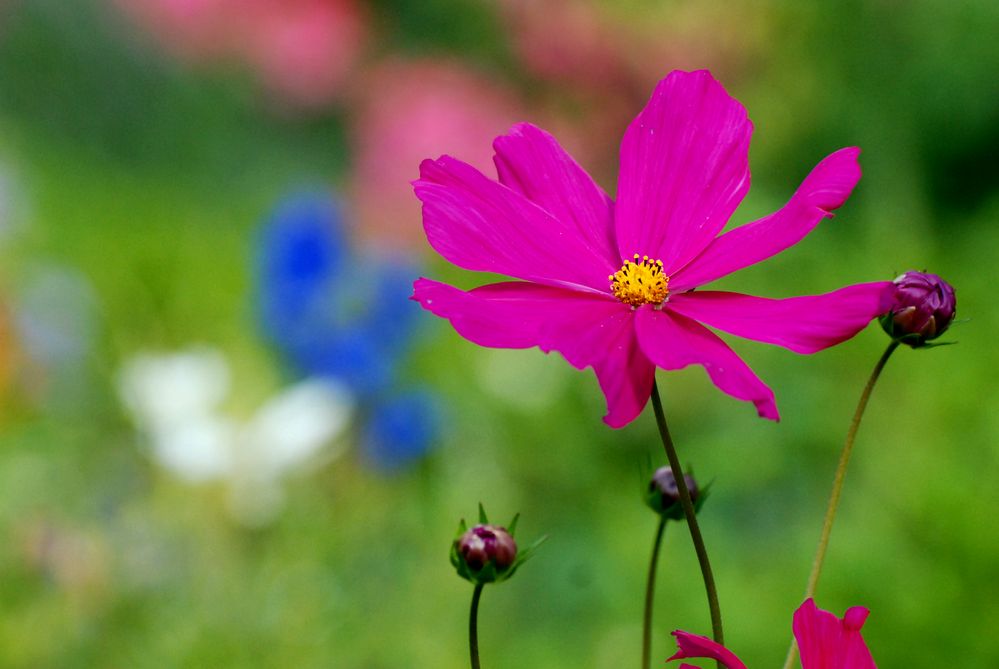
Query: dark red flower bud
x,y
487,553
487,544
663,494
921,308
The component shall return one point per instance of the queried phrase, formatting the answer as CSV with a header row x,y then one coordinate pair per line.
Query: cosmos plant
x,y
615,285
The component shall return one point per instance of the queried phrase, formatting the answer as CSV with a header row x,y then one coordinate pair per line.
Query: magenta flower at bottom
x,y
610,285
824,641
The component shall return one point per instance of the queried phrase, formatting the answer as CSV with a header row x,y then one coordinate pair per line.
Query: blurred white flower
x,y
171,390
176,401
197,451
293,425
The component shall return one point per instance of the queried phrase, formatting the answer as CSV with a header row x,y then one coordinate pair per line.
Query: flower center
x,y
640,282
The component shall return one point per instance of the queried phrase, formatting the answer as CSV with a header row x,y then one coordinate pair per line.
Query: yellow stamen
x,y
640,282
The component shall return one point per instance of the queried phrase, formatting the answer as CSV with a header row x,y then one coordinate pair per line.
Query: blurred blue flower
x,y
302,251
401,429
332,311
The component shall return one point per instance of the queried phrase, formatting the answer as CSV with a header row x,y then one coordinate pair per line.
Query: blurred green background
x,y
141,150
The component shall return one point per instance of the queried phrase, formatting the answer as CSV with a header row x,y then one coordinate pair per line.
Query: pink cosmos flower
x,y
824,641
610,285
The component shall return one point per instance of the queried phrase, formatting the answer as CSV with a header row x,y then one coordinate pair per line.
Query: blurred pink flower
x,y
603,48
611,285
304,50
413,109
301,51
825,641
585,49
195,30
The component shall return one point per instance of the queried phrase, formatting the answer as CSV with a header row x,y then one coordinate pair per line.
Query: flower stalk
x,y
837,488
650,590
473,626
691,516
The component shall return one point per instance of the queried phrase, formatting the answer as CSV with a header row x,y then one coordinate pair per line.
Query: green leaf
x,y
526,553
938,343
513,524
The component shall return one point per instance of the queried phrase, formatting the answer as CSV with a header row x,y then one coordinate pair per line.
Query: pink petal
x,y
588,330
695,645
803,324
673,341
684,169
825,189
479,224
531,162
826,642
855,654
625,373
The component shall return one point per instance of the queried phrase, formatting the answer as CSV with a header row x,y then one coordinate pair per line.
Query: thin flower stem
x,y
473,627
837,488
688,511
650,589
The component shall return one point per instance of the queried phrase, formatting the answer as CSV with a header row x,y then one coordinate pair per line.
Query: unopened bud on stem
x,y
922,308
487,553
663,494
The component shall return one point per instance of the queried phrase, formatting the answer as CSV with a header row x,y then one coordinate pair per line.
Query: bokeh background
x,y
228,439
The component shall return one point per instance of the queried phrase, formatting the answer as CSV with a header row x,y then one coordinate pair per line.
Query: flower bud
x,y
487,543
487,553
663,494
922,307
484,554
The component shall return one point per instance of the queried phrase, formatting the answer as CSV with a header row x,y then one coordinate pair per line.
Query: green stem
x,y
837,488
650,589
688,511
473,627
